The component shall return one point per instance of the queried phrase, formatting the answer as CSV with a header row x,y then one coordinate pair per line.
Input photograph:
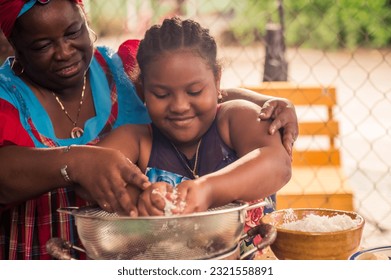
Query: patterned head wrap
x,y
10,10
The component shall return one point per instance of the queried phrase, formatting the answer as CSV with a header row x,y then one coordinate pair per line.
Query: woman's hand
x,y
110,179
133,193
284,117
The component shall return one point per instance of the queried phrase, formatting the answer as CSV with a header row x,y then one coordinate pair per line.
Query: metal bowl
x,y
202,235
376,253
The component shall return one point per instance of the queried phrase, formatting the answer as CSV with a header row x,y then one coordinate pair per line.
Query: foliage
x,y
252,18
325,24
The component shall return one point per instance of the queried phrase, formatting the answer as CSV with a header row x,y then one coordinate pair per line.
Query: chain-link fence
x,y
328,42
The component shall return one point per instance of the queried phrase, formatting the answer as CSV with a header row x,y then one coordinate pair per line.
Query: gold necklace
x,y
76,131
192,170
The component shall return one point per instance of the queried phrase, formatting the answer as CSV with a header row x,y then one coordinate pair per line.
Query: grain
x,y
317,223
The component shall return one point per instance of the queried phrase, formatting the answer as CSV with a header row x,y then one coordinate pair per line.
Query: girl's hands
x,y
157,200
192,197
163,199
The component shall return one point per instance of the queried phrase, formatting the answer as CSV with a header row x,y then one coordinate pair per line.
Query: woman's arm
x,y
28,172
280,110
103,173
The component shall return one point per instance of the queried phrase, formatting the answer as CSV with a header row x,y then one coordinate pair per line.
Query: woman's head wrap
x,y
10,10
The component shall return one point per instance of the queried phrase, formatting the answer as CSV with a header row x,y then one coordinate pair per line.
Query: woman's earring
x,y
93,34
219,97
16,67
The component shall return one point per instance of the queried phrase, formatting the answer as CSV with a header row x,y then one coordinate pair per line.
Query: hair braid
x,y
172,35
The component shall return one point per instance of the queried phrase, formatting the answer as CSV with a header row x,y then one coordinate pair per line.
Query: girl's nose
x,y
180,103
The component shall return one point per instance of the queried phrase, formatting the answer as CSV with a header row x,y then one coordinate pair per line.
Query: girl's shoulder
x,y
132,131
233,117
237,108
239,124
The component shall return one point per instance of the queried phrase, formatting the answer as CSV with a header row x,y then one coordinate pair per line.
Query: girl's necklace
x,y
192,170
76,131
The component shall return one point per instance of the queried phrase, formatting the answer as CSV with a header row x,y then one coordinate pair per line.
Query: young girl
x,y
214,153
224,148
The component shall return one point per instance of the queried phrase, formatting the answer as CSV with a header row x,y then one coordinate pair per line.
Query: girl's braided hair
x,y
175,34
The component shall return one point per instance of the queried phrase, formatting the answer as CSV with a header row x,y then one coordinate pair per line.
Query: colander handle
x,y
268,234
264,203
67,210
59,248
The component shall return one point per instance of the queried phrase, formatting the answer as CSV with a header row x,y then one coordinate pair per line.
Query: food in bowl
x,y
319,223
316,233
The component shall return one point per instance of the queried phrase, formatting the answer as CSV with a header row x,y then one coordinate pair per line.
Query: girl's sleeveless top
x,y
165,164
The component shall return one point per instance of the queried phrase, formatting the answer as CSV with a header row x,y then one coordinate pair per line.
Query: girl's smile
x,y
181,92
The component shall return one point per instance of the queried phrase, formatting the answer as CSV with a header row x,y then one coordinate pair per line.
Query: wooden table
x,y
266,254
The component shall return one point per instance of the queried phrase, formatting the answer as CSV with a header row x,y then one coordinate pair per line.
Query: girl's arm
x,y
133,141
263,168
280,110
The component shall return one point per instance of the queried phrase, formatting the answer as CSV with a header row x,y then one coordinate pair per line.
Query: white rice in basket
x,y
316,223
170,204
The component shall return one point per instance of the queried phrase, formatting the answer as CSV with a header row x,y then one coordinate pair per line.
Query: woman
x,y
56,92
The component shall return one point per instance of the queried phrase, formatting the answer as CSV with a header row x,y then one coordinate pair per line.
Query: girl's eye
x,y
160,95
194,93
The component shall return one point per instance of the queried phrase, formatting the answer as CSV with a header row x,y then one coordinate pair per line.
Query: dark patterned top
x,y
214,154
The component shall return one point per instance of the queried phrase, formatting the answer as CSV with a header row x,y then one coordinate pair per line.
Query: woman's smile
x,y
69,71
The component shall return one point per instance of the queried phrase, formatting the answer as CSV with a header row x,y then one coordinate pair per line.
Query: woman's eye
x,y
73,34
41,47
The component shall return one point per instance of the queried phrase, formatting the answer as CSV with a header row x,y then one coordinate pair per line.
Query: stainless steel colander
x,y
201,235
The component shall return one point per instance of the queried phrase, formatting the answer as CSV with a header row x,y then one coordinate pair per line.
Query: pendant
x,y
76,132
